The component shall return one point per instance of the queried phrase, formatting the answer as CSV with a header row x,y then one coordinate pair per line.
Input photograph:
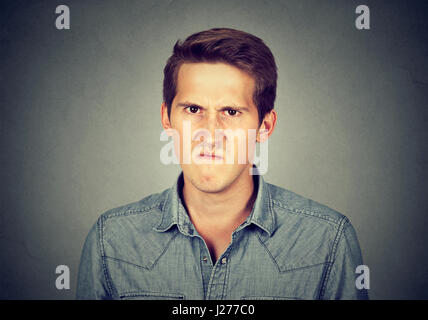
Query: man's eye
x,y
231,112
193,109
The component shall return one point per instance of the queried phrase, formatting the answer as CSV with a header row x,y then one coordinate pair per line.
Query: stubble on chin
x,y
214,181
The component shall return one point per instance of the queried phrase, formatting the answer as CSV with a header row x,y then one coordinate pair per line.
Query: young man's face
x,y
210,99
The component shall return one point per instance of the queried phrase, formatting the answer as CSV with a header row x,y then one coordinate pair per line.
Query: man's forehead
x,y
218,84
211,67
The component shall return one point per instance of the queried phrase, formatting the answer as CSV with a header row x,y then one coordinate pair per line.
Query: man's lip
x,y
208,155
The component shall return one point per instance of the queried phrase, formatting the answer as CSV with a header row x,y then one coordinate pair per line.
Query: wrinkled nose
x,y
213,123
211,132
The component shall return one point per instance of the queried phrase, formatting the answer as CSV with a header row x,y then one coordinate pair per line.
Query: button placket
x,y
206,265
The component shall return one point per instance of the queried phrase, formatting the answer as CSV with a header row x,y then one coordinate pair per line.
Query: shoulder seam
x,y
127,211
314,214
100,227
343,222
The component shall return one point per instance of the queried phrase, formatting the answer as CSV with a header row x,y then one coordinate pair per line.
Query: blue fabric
x,y
290,247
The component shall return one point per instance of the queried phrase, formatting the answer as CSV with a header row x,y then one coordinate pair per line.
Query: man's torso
x,y
285,251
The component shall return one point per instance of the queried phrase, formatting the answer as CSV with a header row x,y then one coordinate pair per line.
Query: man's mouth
x,y
212,156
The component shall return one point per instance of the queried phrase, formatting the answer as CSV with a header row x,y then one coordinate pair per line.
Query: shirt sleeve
x,y
91,280
341,278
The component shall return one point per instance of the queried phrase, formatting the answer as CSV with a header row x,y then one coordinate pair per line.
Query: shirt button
x,y
205,259
223,261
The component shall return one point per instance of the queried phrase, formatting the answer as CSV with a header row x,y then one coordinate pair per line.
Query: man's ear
x,y
166,124
267,126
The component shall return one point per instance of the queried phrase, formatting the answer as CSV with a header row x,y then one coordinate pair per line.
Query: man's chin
x,y
209,173
211,178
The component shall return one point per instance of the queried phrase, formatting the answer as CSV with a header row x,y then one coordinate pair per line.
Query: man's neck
x,y
227,208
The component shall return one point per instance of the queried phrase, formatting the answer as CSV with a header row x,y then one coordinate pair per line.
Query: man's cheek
x,y
252,144
236,147
177,146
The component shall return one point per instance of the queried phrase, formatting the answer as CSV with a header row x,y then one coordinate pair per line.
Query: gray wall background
x,y
80,124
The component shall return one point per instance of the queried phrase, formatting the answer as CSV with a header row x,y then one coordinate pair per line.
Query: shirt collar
x,y
174,213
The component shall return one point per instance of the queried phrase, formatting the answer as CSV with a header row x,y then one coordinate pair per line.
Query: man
x,y
221,232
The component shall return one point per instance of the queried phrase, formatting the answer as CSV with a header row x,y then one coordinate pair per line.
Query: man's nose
x,y
212,122
213,125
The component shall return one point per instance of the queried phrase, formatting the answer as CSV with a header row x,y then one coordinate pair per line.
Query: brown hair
x,y
234,47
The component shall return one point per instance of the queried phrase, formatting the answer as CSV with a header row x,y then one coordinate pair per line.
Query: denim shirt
x,y
289,247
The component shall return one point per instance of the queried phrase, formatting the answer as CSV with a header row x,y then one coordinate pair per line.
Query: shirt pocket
x,y
143,295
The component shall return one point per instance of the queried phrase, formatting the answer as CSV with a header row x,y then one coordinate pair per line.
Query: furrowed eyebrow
x,y
190,104
234,108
